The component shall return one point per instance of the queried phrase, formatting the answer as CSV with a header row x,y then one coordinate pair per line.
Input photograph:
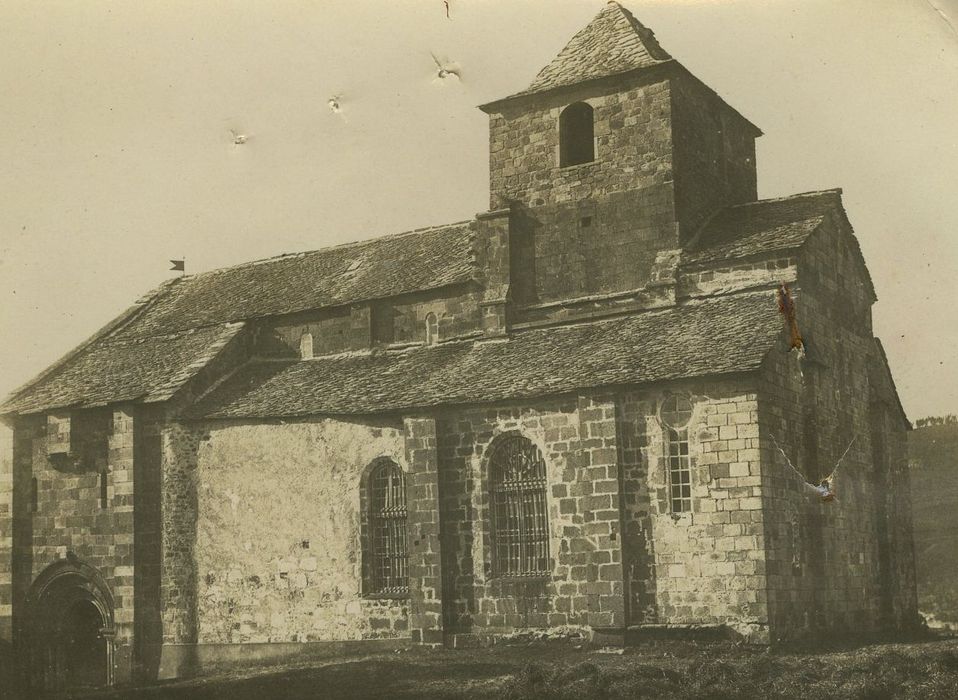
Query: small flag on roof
x,y
179,265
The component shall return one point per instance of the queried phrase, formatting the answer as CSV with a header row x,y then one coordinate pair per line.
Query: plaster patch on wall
x,y
265,490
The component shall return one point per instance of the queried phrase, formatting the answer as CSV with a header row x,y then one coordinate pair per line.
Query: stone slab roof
x,y
188,320
377,268
114,369
613,42
762,227
184,318
716,336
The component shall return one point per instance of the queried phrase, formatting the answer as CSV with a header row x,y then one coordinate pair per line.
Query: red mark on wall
x,y
786,305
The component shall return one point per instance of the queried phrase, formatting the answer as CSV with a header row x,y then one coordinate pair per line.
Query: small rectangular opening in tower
x,y
104,492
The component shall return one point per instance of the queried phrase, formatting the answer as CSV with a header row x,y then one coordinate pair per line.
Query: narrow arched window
x,y
676,412
387,529
104,493
520,521
306,346
432,329
34,495
576,135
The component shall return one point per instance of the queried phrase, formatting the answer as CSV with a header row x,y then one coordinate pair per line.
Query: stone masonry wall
x,y
844,567
897,572
333,331
714,155
147,541
394,320
822,557
595,227
633,145
27,431
262,532
69,515
598,246
403,319
179,512
706,566
426,575
6,542
576,437
725,278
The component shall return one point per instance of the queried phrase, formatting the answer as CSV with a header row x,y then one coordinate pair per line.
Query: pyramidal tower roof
x,y
613,42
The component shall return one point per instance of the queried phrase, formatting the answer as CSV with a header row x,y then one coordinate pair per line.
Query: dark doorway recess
x,y
69,629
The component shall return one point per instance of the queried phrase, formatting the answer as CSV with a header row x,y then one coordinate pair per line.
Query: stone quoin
x,y
579,411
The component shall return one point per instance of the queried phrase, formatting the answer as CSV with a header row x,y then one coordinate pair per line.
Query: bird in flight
x,y
446,68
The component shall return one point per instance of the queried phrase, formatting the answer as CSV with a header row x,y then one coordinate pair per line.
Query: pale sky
x,y
117,151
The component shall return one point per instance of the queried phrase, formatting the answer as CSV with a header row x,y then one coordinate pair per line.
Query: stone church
x,y
582,410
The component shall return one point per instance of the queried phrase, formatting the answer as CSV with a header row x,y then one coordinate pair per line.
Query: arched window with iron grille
x,y
520,520
388,555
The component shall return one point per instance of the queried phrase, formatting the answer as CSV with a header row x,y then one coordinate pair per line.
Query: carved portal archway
x,y
69,631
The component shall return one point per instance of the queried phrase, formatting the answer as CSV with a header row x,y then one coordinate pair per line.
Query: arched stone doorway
x,y
69,628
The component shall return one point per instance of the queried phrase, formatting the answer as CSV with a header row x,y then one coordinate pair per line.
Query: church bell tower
x,y
612,157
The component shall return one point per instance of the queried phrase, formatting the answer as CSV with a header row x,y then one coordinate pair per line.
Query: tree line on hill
x,y
950,419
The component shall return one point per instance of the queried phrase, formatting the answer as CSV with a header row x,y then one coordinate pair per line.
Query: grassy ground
x,y
565,670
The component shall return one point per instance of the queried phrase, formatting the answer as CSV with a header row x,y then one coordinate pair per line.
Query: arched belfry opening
x,y
69,628
576,135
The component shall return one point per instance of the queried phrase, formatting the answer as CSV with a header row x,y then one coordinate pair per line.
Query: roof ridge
x,y
613,42
338,246
785,198
646,34
179,379
134,339
690,302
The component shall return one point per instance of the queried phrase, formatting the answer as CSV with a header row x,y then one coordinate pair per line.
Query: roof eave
x,y
163,393
125,317
650,73
446,405
756,132
9,417
767,254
